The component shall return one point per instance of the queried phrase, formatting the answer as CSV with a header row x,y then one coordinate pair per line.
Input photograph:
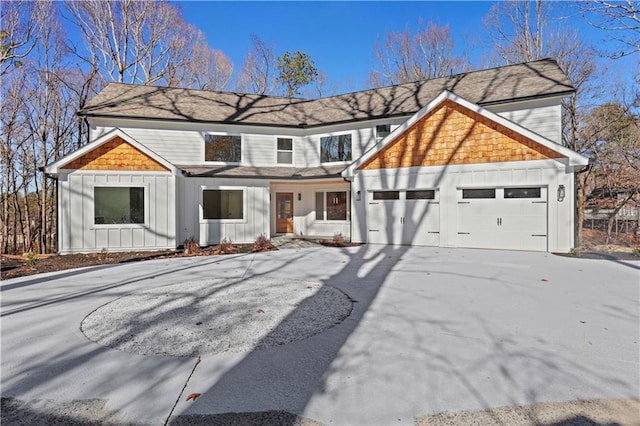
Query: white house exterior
x,y
472,160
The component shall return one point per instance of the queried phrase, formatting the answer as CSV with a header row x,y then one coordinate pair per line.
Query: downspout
x,y
350,180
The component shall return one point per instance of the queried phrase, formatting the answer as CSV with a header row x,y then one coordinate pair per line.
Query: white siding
x,y
547,173
254,222
79,234
545,120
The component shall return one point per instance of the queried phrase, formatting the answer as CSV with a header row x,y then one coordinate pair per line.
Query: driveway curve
x,y
431,330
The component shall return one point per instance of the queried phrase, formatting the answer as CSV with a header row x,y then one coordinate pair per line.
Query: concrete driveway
x,y
432,329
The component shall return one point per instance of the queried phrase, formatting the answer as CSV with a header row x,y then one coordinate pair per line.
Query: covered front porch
x,y
311,209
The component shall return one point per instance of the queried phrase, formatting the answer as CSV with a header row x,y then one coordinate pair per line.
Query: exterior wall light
x,y
358,195
299,196
561,193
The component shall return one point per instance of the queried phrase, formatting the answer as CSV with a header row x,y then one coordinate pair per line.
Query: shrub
x,y
338,239
225,247
262,243
32,259
103,255
576,251
191,246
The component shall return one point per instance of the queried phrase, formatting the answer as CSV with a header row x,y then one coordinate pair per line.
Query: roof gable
x,y
114,150
451,130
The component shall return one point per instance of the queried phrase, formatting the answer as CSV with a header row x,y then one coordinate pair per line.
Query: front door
x,y
284,212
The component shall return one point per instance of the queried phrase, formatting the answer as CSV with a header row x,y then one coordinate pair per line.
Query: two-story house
x,y
471,160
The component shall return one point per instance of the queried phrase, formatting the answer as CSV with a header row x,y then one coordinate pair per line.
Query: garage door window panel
x,y
428,194
386,195
478,193
522,193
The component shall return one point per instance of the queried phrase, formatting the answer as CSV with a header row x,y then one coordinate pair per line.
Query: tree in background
x,y
147,42
294,71
404,57
258,73
621,20
522,31
615,181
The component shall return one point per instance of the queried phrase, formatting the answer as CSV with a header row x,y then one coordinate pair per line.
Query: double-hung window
x,y
118,205
285,151
223,148
332,205
335,148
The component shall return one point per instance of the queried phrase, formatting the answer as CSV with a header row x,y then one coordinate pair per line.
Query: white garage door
x,y
503,218
405,217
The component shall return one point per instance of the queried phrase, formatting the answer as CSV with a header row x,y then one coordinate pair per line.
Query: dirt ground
x,y
623,246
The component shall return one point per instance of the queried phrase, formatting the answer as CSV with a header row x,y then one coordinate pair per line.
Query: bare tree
x,y
403,57
17,35
621,19
259,69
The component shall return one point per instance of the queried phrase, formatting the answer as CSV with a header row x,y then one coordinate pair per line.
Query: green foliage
x,y
576,251
103,255
32,259
296,70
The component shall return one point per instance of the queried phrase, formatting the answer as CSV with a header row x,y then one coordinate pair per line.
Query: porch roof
x,y
288,173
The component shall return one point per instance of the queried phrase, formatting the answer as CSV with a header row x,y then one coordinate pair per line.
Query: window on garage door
x,y
474,193
522,192
386,195
428,194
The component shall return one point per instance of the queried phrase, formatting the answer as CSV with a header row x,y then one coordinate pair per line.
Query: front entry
x,y
284,212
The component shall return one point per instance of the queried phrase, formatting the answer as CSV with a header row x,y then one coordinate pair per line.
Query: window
x,y
479,193
382,131
285,151
118,205
386,195
522,193
222,204
335,148
428,194
222,148
332,206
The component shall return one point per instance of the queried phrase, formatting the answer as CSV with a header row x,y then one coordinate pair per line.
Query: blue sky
x,y
340,36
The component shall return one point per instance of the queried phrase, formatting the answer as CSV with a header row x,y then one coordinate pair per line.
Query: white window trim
x,y
121,225
293,158
324,208
330,163
223,188
231,163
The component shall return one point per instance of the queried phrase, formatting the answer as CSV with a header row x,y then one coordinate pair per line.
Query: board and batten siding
x,y
79,234
207,232
447,180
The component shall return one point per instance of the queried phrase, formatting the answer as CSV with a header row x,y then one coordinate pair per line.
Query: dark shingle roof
x,y
496,85
286,173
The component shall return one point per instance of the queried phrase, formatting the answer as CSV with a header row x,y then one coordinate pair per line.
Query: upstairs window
x,y
382,131
223,148
285,151
335,148
118,205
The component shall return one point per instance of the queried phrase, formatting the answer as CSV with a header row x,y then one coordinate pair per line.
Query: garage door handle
x,y
464,233
433,232
464,202
538,202
538,235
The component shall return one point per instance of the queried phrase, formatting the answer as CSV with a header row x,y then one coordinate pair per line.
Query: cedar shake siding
x,y
452,134
116,154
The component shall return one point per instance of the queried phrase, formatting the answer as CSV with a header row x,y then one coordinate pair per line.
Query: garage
x,y
404,217
503,218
